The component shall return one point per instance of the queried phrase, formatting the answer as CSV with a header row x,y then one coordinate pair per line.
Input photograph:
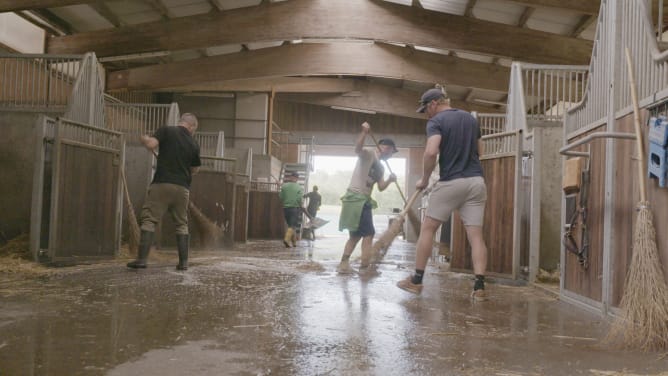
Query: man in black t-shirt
x,y
178,161
454,137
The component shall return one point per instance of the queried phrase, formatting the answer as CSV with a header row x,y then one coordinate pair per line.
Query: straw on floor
x,y
643,322
380,246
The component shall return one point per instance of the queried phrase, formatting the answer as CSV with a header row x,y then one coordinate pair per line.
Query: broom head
x,y
643,320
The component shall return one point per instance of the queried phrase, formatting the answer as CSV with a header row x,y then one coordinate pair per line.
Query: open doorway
x,y
332,175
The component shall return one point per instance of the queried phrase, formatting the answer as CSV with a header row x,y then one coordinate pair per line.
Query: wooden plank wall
x,y
292,116
498,224
588,283
265,216
241,213
626,198
87,213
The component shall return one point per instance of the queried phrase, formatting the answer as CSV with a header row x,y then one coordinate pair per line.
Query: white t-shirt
x,y
368,171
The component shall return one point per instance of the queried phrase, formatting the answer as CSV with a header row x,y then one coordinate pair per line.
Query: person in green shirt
x,y
357,204
291,197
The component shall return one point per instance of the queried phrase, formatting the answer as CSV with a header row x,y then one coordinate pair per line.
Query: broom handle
x,y
410,202
388,168
131,217
636,123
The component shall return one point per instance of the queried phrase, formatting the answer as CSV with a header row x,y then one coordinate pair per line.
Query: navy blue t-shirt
x,y
178,152
459,143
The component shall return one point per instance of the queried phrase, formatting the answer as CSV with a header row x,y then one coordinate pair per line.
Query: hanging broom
x,y
133,226
643,322
380,247
210,233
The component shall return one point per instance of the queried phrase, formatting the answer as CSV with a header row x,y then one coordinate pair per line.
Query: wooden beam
x,y
103,10
278,84
160,8
584,23
17,5
581,6
327,19
528,11
307,59
469,8
377,98
53,21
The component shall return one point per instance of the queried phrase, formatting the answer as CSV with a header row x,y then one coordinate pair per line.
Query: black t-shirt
x,y
459,132
178,152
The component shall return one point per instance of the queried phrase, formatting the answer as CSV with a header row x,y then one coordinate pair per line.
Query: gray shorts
x,y
468,195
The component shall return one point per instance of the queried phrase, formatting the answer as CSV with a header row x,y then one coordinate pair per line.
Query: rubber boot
x,y
142,253
288,237
182,244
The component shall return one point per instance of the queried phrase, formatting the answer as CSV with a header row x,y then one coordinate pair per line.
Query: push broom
x,y
380,246
643,320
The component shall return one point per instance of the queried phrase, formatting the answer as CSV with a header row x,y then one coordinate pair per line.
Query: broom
x,y
133,226
380,247
411,216
210,233
643,322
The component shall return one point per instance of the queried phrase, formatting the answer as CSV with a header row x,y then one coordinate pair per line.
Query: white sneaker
x,y
344,268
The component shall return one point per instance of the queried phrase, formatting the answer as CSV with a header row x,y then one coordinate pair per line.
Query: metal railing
x,y
549,90
74,131
210,143
37,81
637,34
501,144
136,119
86,102
633,29
491,123
263,186
218,164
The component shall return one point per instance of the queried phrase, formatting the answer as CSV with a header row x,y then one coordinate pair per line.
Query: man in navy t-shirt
x,y
177,162
452,135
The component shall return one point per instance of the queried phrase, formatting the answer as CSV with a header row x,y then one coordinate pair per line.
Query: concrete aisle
x,y
266,310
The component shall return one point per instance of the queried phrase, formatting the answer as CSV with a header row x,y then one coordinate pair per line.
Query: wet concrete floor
x,y
266,310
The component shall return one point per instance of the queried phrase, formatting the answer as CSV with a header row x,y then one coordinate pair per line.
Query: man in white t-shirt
x,y
357,204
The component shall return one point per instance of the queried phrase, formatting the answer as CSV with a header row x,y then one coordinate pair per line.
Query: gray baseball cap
x,y
428,96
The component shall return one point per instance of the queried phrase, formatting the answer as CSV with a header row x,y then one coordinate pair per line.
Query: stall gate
x,y
76,208
502,165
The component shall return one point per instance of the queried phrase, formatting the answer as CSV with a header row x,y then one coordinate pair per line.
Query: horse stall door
x,y
85,213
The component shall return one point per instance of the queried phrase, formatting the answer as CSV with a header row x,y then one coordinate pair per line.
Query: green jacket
x,y
291,195
351,210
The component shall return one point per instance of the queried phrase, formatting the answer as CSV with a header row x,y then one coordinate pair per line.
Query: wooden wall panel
x,y
87,213
265,216
626,198
588,283
241,214
498,224
292,116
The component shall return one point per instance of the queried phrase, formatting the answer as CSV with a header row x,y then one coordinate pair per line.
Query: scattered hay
x,y
311,266
15,258
548,277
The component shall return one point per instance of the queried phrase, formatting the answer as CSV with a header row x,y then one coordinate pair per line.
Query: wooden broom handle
x,y
410,202
403,197
636,122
